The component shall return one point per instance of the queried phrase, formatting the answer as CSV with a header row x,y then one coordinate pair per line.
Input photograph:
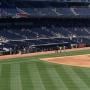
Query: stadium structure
x,y
43,25
44,44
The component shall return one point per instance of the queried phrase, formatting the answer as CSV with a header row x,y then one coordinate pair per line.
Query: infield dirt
x,y
78,60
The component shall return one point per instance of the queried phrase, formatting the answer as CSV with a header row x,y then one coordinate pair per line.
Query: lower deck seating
x,y
44,32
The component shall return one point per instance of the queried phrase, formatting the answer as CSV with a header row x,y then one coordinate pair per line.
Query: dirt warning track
x,y
78,60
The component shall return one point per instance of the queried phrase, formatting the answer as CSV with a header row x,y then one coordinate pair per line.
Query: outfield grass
x,y
32,74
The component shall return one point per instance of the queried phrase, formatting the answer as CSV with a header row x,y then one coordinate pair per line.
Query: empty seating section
x,y
51,11
83,11
64,11
11,11
57,11
58,0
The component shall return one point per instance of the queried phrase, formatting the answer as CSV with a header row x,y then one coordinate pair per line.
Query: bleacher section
x,y
43,33
44,12
45,9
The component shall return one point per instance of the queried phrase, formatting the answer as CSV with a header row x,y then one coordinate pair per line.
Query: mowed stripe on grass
x,y
43,76
66,77
0,70
76,78
15,77
57,80
47,80
83,76
25,77
35,77
5,77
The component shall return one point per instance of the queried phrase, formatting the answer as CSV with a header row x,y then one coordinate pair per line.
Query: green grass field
x,y
32,74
